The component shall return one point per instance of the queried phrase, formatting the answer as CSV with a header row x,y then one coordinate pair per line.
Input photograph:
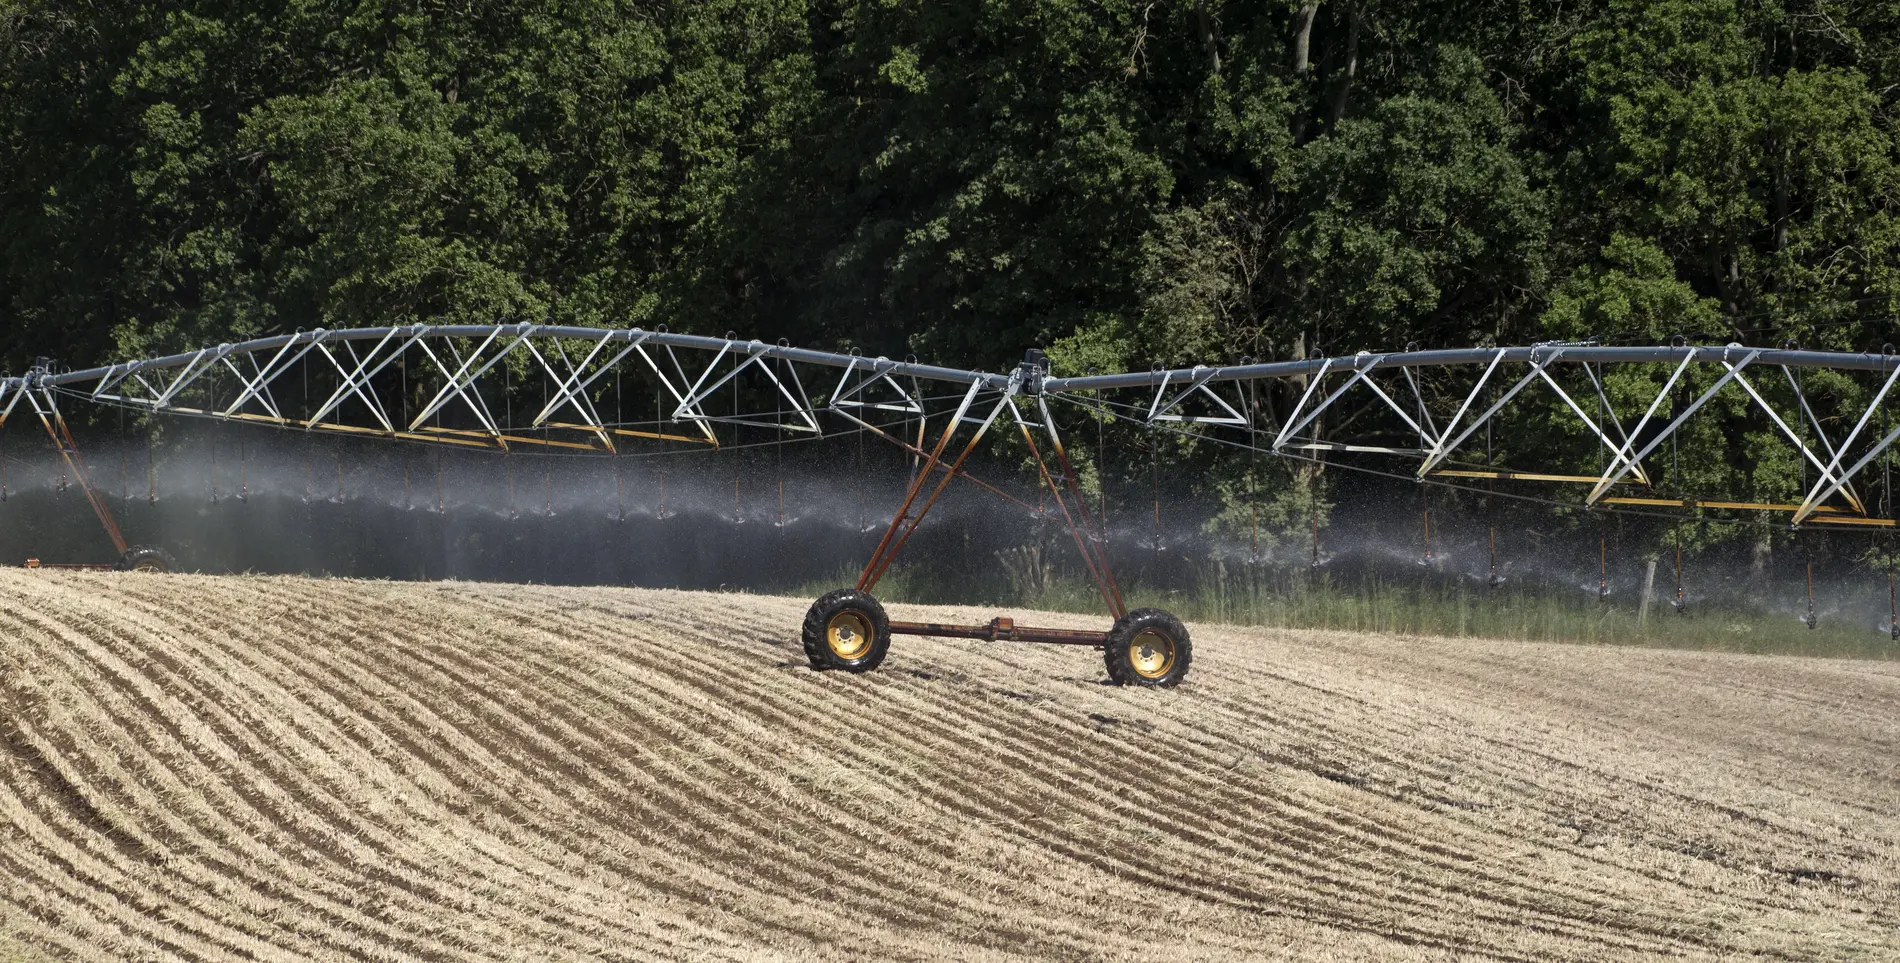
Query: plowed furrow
x,y
498,890
127,761
992,739
293,768
602,750
398,863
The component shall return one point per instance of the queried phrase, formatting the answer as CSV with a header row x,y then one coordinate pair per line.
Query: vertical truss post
x,y
56,429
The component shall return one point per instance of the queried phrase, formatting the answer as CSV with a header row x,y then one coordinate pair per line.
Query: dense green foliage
x,y
1187,181
1122,180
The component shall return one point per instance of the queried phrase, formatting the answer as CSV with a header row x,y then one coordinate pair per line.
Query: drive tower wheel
x,y
846,629
145,558
1148,647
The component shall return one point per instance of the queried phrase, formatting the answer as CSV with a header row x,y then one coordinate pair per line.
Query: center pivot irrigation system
x,y
1427,415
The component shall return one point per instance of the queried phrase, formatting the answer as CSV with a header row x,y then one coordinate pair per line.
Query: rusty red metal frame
x,y
1094,556
916,451
56,429
1080,524
893,542
1001,629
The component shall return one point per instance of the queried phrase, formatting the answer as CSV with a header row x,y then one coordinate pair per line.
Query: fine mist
x,y
784,517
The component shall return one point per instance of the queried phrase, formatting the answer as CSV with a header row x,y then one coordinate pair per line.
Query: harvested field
x,y
282,768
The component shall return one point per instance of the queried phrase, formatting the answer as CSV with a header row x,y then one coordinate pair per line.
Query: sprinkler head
x,y
1495,580
1893,630
1810,621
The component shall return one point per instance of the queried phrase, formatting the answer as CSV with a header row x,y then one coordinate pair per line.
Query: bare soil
x,y
283,768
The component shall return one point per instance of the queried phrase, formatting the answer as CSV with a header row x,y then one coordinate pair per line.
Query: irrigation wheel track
x,y
282,768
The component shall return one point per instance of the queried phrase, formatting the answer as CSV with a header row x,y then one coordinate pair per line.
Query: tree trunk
x,y
1303,39
1346,75
1210,42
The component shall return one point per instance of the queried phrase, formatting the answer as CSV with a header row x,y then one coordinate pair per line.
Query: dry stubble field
x,y
282,768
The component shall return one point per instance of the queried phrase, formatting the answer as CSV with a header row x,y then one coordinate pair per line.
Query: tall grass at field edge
x,y
1448,608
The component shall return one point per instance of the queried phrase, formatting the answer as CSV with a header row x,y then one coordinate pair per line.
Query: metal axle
x,y
1002,629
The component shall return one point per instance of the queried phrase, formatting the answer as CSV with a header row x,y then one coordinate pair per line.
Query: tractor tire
x,y
1148,647
846,630
145,558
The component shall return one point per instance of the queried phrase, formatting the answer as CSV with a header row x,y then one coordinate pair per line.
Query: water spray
x,y
1253,468
1154,462
1313,498
1603,560
1490,508
1812,621
1678,602
173,384
1893,601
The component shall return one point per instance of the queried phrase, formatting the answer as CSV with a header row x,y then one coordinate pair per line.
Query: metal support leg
x,y
920,453
904,524
56,429
1093,557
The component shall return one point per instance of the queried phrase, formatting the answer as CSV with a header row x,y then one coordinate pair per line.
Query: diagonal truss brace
x,y
460,382
691,408
570,389
879,371
1623,461
1824,489
357,378
1197,384
1808,453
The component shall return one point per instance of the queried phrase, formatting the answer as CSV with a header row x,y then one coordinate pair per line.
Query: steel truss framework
x,y
448,374
1428,428
1422,410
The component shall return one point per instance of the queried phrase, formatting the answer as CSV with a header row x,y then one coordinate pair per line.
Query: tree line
x,y
1122,181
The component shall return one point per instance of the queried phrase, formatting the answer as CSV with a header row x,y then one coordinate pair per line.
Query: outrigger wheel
x,y
1147,647
846,629
145,558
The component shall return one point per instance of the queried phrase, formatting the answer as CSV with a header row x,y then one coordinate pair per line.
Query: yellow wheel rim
x,y
849,634
1152,654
